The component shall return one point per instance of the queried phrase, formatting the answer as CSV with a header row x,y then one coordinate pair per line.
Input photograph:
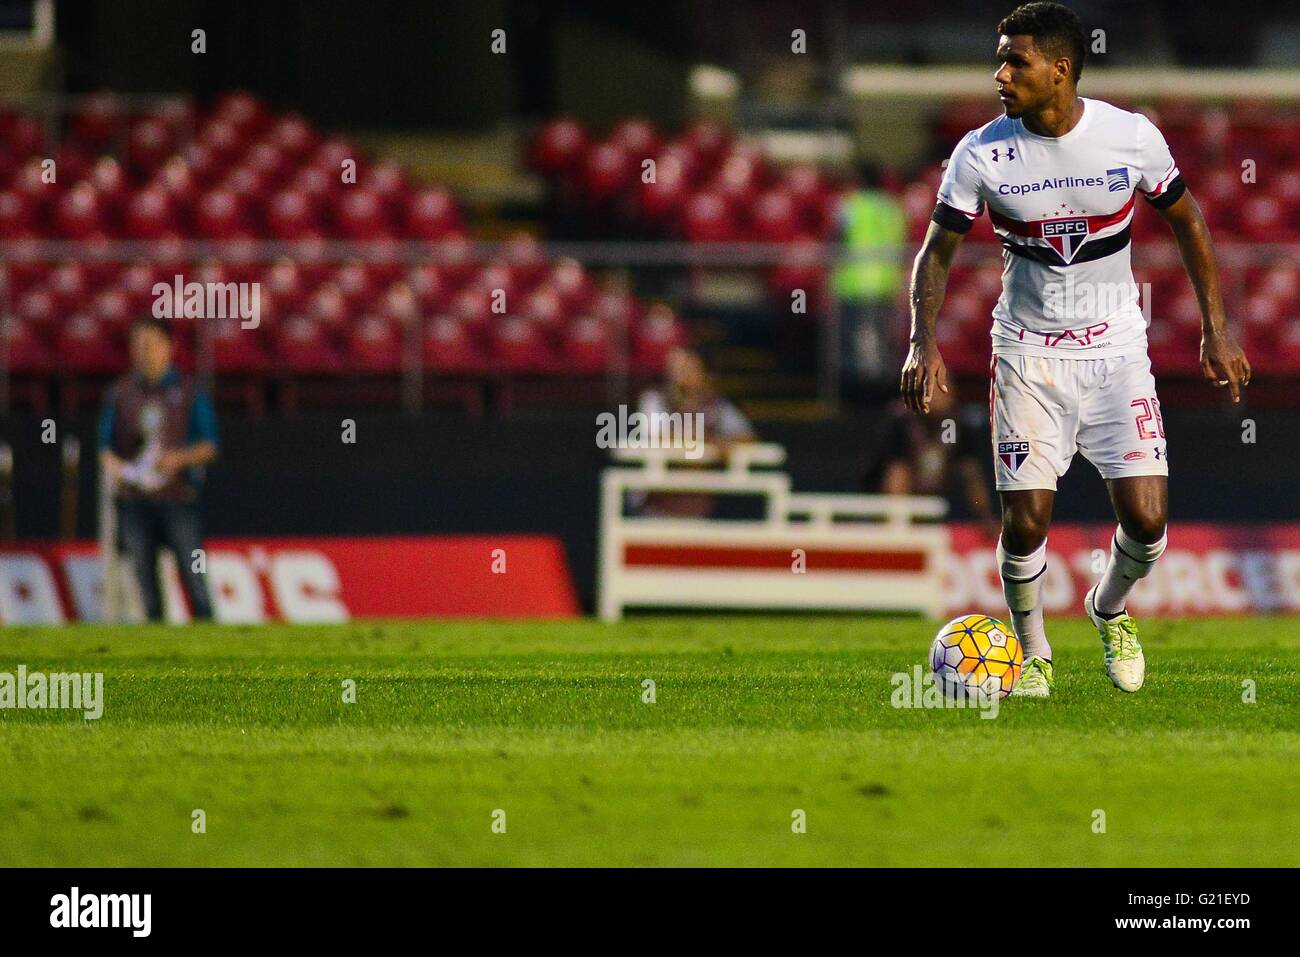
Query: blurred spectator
x,y
871,224
929,454
688,388
157,432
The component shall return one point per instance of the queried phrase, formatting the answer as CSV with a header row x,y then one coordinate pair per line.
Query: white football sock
x,y
1022,580
1130,560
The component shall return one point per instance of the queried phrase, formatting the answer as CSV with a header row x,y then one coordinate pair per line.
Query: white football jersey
x,y
1062,207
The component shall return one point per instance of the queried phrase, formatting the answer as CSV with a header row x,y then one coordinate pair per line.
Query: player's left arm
x,y
1222,361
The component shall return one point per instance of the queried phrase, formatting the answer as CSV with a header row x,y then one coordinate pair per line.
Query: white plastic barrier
x,y
808,551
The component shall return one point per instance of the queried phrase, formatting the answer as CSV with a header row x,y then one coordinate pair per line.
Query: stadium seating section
x,y
711,187
238,173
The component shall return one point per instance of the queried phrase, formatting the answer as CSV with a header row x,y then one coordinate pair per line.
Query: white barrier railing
x,y
807,551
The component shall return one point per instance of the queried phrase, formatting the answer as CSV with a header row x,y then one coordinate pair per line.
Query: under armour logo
x,y
1010,153
1161,453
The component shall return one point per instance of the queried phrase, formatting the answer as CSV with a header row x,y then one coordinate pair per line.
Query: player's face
x,y
1026,78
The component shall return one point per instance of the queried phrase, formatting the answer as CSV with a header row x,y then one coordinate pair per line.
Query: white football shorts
x,y
1042,410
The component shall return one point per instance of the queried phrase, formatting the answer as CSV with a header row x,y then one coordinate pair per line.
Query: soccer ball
x,y
978,655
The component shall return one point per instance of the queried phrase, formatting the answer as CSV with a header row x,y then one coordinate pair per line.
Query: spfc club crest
x,y
1066,235
1013,454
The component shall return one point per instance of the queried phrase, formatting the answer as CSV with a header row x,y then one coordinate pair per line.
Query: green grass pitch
x,y
754,718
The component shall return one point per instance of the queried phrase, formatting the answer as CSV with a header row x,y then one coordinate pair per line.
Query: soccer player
x,y
1058,175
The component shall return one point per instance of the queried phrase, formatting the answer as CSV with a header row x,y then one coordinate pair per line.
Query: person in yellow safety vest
x,y
868,282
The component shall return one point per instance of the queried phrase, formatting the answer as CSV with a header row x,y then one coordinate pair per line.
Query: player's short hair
x,y
1055,28
151,322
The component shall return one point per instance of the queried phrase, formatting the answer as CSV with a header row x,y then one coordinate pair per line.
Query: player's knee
x,y
1025,530
1147,528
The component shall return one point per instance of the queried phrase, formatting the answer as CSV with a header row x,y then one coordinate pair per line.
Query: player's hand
x,y
1224,364
923,370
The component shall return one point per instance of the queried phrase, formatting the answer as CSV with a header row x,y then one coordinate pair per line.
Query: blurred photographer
x,y
941,452
157,433
688,389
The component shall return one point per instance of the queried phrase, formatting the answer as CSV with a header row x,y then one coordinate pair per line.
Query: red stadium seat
x,y
70,285
149,214
112,308
289,215
302,345
249,185
516,345
204,163
355,281
25,136
616,309
638,136
571,282
388,180
359,213
587,345
1287,340
16,214
99,118
814,199
27,355
136,282
775,217
84,347
430,214
707,218
400,303
607,170
559,146
707,138
148,145
224,140
545,309
472,308
740,178
374,346
802,267
294,136
454,255
449,349
38,308
316,183
236,350
79,212
176,178
243,110
268,161
657,334
522,253
333,153
430,286
329,306
220,215
500,284
660,201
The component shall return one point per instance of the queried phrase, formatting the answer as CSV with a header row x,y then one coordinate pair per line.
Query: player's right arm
x,y
924,368
961,200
